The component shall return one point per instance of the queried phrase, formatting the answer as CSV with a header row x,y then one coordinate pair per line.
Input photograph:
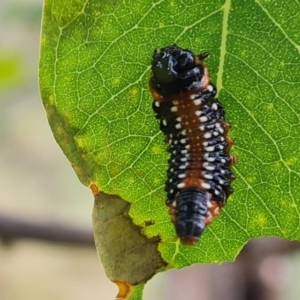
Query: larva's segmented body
x,y
199,175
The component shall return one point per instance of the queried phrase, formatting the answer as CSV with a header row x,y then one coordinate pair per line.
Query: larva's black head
x,y
171,61
190,214
175,69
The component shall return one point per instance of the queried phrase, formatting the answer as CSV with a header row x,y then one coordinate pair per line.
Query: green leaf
x,y
94,69
136,293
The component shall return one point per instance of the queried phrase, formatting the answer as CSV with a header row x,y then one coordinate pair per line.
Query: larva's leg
x,y
233,160
227,126
229,142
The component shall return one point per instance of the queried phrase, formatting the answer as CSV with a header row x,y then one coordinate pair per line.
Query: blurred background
x,y
46,243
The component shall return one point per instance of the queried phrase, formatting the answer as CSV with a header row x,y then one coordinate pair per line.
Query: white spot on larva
x,y
210,149
171,135
184,159
183,132
171,170
205,185
192,97
207,135
209,204
182,167
218,125
208,176
178,119
214,106
170,141
202,127
210,88
223,171
174,109
205,144
181,185
178,126
211,159
203,119
215,133
197,102
221,181
222,139
183,141
174,203
198,112
205,164
157,104
171,191
210,168
187,146
171,180
175,102
181,175
164,122
217,192
221,147
223,161
183,151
